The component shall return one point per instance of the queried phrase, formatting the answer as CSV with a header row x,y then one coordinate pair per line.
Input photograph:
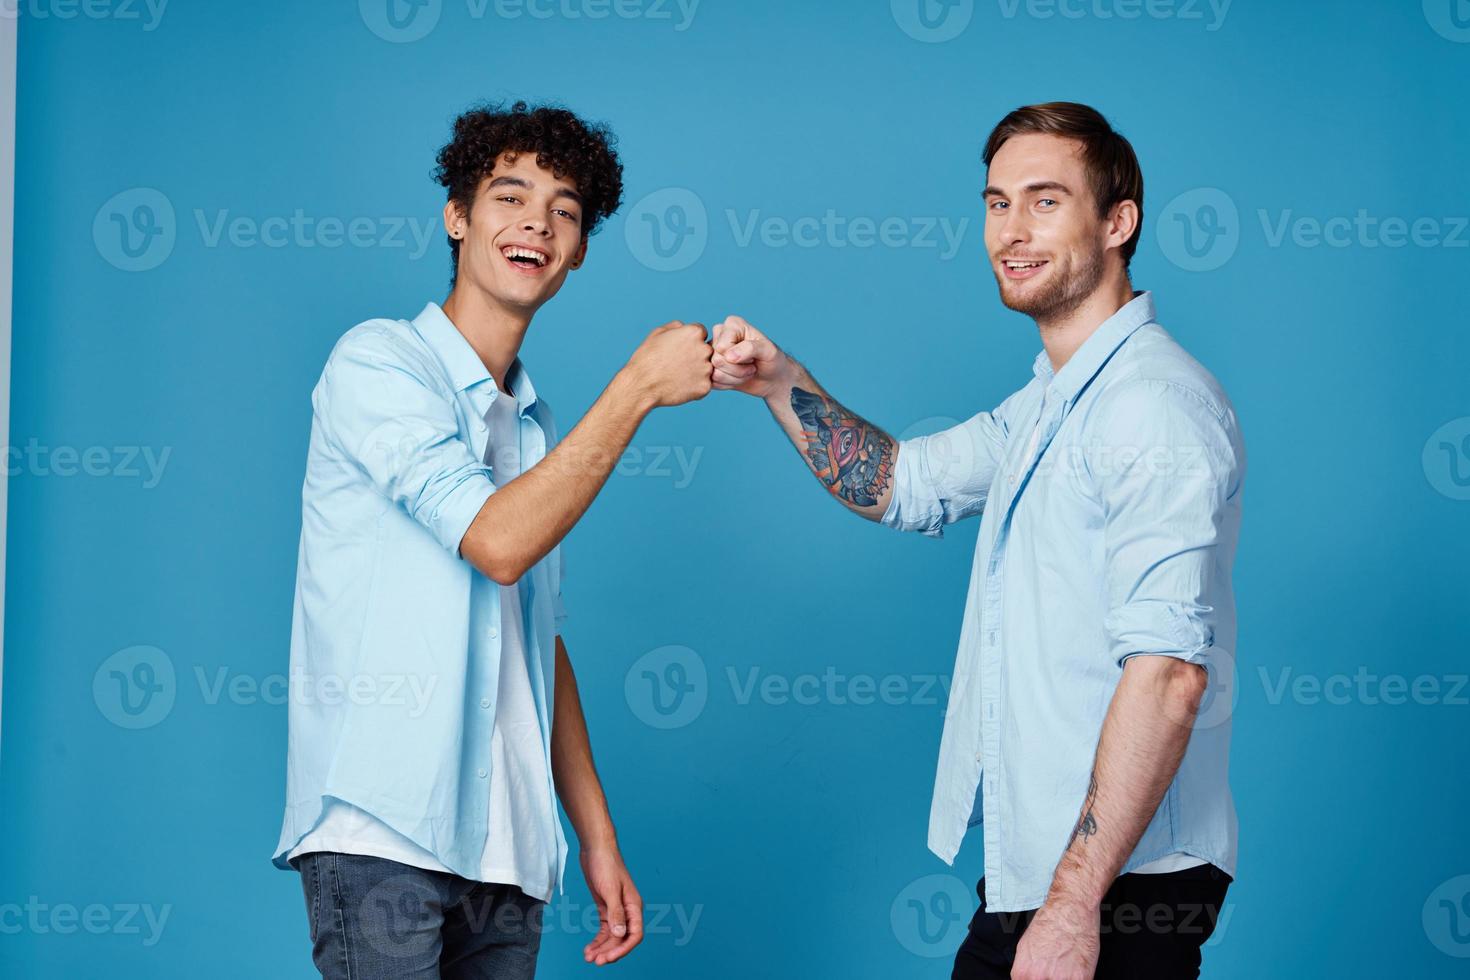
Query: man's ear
x,y
454,219
1122,223
580,255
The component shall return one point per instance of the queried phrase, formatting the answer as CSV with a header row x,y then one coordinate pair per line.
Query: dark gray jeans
x,y
375,919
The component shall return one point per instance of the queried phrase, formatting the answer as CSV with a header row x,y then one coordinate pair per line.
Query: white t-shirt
x,y
521,846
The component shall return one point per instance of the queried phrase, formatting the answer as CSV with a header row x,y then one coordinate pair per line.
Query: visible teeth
x,y
515,252
1023,265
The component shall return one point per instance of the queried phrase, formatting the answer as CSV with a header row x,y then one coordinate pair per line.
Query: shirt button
x,y
481,774
484,702
493,633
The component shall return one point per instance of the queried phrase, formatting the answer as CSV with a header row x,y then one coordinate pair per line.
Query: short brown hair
x,y
1112,168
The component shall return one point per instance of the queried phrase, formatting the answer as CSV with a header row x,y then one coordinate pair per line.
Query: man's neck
x,y
495,333
1063,336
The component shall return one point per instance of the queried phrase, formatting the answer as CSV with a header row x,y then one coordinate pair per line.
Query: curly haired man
x,y
434,712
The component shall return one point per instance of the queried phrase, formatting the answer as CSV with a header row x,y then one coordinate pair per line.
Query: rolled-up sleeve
x,y
945,477
403,436
1167,462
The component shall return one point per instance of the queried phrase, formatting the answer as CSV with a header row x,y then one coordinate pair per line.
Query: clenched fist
x,y
745,360
673,363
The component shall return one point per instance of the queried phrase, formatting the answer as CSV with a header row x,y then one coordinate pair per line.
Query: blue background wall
x,y
770,837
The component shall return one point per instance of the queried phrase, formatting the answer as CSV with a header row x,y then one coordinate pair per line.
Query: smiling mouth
x,y
1022,268
525,258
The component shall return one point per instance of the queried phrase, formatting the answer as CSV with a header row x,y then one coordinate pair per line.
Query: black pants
x,y
1153,926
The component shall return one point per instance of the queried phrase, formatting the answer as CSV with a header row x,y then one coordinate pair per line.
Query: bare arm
x,y
618,902
523,520
847,454
1143,739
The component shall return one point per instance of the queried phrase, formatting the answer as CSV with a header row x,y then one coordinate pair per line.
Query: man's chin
x,y
523,296
1026,301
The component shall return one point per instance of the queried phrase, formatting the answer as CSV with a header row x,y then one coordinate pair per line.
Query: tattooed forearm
x,y
1087,823
853,459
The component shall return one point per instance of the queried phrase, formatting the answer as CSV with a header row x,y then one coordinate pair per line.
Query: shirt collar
x,y
1089,359
465,368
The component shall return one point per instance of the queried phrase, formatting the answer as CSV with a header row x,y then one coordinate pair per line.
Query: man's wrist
x,y
1074,888
784,380
631,393
603,837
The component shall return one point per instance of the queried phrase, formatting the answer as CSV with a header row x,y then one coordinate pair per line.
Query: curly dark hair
x,y
563,143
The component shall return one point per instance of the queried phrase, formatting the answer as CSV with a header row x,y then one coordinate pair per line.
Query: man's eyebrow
x,y
561,191
1040,185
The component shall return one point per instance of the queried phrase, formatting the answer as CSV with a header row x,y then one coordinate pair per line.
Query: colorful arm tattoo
x,y
853,459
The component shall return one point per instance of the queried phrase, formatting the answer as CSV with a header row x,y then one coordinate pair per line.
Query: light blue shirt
x,y
395,638
1109,495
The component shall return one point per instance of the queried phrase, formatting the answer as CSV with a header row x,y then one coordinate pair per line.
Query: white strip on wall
x,y
8,24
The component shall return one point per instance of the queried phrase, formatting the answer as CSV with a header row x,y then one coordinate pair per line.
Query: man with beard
x,y
1100,609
